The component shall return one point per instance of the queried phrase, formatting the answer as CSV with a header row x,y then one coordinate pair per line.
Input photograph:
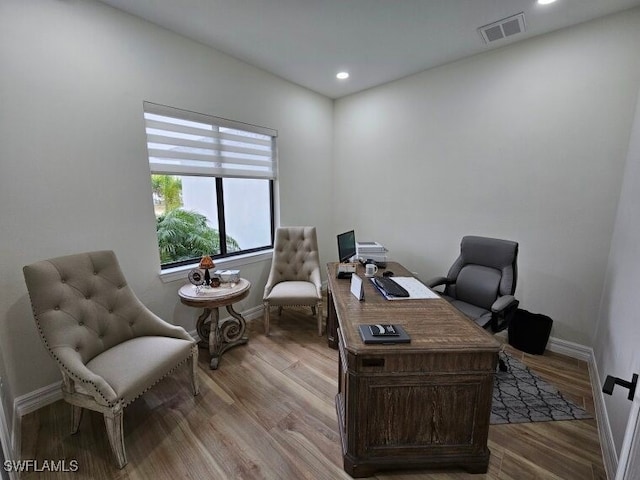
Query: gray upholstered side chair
x,y
109,347
482,281
294,279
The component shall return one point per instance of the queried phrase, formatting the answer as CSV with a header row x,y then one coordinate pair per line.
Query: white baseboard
x,y
609,454
581,352
251,314
5,443
570,349
39,398
44,396
28,403
586,354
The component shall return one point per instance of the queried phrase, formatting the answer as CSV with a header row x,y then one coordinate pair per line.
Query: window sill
x,y
180,273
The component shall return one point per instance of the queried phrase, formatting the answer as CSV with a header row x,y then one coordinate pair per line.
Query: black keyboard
x,y
388,286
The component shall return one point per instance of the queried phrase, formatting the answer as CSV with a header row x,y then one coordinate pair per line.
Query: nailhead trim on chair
x,y
82,303
63,366
292,261
95,387
79,380
293,305
182,362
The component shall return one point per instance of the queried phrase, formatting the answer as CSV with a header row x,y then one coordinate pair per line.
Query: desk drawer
x,y
419,363
409,415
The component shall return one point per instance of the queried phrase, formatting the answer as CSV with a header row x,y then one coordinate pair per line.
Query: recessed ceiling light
x,y
342,75
545,2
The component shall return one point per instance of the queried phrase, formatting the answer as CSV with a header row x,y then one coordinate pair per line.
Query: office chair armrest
x,y
436,281
503,303
503,309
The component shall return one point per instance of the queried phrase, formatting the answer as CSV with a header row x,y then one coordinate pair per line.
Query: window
x,y
212,182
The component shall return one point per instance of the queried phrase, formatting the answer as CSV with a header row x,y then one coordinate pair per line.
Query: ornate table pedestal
x,y
219,337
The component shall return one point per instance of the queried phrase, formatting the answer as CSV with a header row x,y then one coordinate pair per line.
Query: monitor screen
x,y
346,245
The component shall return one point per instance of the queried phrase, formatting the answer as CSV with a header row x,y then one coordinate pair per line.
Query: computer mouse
x,y
388,273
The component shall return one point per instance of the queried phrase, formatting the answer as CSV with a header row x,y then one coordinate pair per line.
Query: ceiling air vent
x,y
503,28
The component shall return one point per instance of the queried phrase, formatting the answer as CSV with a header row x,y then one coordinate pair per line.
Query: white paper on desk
x,y
417,290
357,288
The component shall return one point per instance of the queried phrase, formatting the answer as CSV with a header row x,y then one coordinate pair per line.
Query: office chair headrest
x,y
491,252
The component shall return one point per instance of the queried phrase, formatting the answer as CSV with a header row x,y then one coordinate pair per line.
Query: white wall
x,y
5,406
527,143
74,174
618,335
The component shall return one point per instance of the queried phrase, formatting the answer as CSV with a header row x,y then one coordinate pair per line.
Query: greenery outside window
x,y
212,182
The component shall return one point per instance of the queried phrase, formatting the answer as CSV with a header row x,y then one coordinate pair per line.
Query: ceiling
x,y
308,41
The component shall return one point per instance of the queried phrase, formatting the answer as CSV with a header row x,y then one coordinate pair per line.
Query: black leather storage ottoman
x,y
529,332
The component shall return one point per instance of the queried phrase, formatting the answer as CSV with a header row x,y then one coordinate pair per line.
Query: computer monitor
x,y
346,245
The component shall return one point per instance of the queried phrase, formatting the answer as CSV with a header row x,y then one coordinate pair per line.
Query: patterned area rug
x,y
520,396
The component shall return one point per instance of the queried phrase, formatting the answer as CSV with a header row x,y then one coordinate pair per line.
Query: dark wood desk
x,y
425,404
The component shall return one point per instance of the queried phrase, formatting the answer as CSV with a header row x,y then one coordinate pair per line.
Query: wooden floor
x,y
268,413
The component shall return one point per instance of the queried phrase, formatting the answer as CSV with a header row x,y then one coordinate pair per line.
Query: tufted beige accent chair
x,y
109,347
294,278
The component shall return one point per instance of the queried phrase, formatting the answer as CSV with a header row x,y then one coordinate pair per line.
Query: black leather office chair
x,y
482,281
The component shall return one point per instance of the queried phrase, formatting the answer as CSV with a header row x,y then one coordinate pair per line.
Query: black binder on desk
x,y
368,336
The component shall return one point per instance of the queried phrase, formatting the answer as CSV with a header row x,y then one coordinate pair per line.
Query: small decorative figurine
x,y
206,263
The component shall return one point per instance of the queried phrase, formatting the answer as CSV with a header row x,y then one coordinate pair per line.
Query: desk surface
x,y
425,404
432,324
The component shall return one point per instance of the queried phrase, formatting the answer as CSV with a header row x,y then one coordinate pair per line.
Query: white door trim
x,y
629,462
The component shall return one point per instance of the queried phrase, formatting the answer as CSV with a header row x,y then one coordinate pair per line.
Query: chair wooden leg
x,y
76,416
319,314
113,422
193,367
266,319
